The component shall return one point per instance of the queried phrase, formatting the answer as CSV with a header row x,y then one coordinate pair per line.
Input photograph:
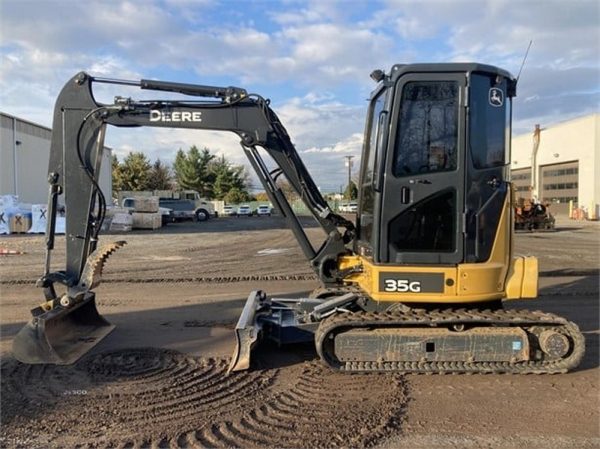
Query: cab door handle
x,y
419,181
404,195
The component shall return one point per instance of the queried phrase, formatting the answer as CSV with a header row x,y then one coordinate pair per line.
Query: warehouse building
x,y
567,165
24,156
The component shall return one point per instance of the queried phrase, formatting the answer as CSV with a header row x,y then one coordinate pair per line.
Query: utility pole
x,y
349,165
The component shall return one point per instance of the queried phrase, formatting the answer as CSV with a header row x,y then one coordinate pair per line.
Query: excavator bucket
x,y
61,335
61,331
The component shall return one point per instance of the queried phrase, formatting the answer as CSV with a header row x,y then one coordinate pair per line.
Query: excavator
x,y
415,284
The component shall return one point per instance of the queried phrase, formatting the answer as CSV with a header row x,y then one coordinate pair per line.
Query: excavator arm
x,y
66,326
80,124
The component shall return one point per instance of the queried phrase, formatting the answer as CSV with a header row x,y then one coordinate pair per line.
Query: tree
x,y
116,174
228,177
160,176
192,170
351,192
211,176
287,189
262,197
178,164
133,173
235,196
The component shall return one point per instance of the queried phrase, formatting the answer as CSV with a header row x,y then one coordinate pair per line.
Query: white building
x,y
24,157
567,165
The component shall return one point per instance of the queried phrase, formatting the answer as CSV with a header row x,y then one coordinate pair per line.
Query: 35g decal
x,y
410,282
402,285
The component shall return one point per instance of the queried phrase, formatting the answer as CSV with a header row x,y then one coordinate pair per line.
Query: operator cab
x,y
435,162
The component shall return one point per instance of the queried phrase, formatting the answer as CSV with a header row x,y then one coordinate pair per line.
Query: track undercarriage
x,y
351,338
450,341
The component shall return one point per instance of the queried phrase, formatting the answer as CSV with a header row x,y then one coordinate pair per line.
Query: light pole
x,y
349,165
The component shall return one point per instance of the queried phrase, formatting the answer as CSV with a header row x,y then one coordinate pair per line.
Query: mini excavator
x,y
415,284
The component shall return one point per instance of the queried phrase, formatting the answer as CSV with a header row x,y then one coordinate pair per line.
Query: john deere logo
x,y
159,116
496,97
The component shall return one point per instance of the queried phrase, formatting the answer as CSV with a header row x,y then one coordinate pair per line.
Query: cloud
x,y
547,95
411,28
329,52
312,57
317,122
327,164
79,27
312,11
350,145
310,53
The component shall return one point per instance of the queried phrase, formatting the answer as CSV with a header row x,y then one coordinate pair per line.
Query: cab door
x,y
423,194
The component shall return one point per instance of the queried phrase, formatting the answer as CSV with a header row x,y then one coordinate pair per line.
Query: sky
x,y
312,59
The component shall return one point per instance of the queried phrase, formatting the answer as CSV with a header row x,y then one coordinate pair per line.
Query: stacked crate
x,y
8,206
117,219
39,219
19,223
145,213
111,213
121,222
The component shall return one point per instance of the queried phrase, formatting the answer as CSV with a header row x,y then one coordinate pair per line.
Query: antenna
x,y
524,59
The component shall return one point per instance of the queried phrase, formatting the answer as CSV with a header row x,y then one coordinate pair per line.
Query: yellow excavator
x,y
416,284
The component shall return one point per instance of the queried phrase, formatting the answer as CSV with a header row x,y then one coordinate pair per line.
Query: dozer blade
x,y
246,332
61,335
281,320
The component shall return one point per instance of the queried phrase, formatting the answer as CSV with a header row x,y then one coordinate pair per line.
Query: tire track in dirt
x,y
183,280
164,399
319,409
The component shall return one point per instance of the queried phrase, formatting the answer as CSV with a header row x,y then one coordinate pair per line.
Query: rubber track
x,y
444,318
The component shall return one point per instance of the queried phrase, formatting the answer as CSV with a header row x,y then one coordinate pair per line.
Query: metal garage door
x,y
559,185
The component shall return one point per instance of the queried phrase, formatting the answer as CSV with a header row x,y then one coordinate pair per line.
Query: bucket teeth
x,y
92,272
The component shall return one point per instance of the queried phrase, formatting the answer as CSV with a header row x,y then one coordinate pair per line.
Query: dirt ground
x,y
158,380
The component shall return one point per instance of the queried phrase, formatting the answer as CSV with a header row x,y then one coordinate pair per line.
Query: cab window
x,y
428,128
371,147
367,193
488,121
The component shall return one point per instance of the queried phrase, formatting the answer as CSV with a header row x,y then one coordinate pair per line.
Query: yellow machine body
x,y
501,277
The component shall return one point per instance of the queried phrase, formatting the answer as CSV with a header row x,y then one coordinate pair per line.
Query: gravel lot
x,y
158,380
